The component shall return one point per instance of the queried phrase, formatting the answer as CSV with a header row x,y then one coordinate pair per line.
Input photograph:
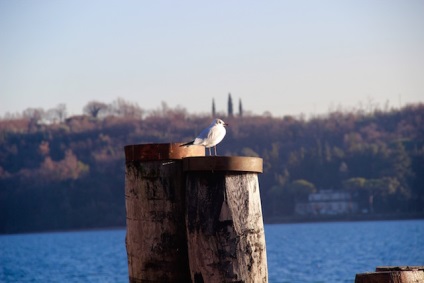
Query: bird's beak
x,y
225,124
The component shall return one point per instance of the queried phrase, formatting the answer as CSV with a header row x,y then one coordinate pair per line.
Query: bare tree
x,y
61,112
123,108
33,114
57,114
93,108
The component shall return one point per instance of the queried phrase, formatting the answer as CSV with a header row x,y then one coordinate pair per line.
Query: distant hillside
x,y
70,174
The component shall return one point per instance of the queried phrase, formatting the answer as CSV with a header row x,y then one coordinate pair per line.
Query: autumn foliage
x,y
69,173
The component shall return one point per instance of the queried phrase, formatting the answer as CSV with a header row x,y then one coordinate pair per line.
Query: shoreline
x,y
343,218
269,221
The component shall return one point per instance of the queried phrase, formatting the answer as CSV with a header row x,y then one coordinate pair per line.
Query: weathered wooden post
x,y
392,274
225,232
155,205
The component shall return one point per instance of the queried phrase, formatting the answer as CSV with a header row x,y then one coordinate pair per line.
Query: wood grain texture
x,y
226,240
415,276
223,163
156,235
400,268
161,151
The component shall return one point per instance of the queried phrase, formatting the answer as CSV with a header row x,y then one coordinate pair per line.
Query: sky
x,y
280,57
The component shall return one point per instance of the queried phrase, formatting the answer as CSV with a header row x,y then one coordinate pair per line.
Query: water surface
x,y
310,252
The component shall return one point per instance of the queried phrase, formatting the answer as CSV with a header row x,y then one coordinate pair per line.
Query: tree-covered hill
x,y
69,173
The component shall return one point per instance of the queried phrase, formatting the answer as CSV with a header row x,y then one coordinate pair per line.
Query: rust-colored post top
x,y
194,158
161,151
223,163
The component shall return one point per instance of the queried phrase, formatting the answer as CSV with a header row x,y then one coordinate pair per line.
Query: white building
x,y
327,202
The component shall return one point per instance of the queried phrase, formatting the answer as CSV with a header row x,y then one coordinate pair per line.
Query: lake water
x,y
311,252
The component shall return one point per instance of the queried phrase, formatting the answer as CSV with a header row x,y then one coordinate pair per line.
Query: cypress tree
x,y
230,106
213,108
240,108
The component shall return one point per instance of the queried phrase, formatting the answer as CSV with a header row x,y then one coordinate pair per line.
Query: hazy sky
x,y
286,57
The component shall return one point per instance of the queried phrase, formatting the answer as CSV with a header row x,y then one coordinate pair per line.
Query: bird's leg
x,y
215,149
209,151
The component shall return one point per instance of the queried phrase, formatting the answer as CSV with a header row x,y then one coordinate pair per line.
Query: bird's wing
x,y
200,139
204,134
216,134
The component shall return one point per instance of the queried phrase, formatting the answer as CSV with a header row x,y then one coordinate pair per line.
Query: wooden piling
x,y
155,203
225,232
393,274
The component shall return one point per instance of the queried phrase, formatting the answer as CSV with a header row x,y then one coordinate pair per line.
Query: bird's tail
x,y
187,144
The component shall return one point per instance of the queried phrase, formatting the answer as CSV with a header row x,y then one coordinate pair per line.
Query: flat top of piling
x,y
399,268
223,163
161,151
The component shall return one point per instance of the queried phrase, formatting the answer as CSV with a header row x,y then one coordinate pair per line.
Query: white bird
x,y
211,136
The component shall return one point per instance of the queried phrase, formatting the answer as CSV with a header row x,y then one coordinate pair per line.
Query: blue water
x,y
95,256
335,252
313,252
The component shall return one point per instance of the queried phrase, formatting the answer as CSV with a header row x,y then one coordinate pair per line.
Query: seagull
x,y
211,136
